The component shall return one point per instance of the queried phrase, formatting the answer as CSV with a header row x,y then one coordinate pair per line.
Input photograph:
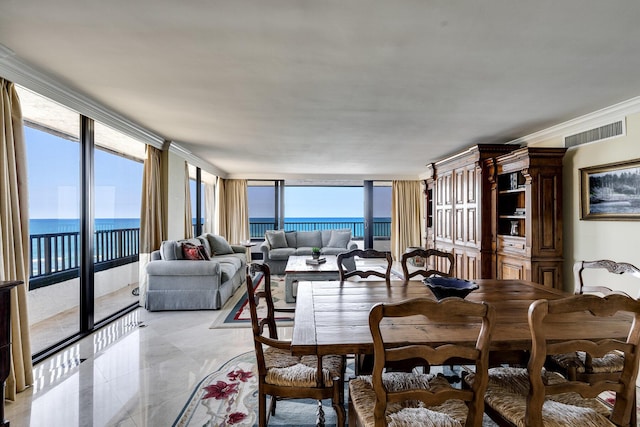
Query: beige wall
x,y
591,240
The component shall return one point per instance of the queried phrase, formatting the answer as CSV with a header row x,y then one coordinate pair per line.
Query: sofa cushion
x,y
205,242
219,245
326,236
227,270
170,250
339,239
292,240
236,260
312,239
281,253
332,251
276,239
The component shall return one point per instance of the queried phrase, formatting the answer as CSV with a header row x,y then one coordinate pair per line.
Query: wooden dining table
x,y
332,317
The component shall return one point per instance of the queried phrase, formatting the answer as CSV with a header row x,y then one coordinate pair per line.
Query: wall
x,y
602,239
173,185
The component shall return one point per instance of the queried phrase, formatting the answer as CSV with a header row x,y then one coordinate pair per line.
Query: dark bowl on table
x,y
443,287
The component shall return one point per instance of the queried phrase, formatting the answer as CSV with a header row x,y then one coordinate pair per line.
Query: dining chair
x,y
535,396
280,373
349,258
443,263
581,365
399,398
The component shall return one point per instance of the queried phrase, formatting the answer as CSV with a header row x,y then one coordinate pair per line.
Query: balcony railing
x,y
55,257
381,228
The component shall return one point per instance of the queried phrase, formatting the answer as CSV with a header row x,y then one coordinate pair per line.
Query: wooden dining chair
x,y
280,373
400,398
443,262
349,258
541,397
581,365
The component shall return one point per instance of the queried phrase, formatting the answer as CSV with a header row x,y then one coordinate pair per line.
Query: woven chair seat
x,y
611,362
507,394
452,413
285,369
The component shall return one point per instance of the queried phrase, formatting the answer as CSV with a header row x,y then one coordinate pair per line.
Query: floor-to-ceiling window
x,y
84,214
53,161
365,208
118,164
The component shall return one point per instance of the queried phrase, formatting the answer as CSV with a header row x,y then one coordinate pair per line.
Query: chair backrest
x,y
368,254
611,266
624,385
258,324
456,314
440,261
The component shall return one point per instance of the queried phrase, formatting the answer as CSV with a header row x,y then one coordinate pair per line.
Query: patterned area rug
x,y
239,316
229,397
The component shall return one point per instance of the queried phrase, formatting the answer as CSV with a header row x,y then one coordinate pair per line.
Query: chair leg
x,y
320,420
262,409
272,406
338,402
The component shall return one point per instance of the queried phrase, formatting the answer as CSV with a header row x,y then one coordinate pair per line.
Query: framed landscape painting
x,y
611,191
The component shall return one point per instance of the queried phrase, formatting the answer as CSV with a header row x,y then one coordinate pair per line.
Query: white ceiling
x,y
340,88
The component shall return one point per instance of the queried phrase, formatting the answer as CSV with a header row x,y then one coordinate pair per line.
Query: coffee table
x,y
297,269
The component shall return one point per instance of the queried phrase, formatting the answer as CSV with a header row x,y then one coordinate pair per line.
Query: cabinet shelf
x,y
515,190
512,217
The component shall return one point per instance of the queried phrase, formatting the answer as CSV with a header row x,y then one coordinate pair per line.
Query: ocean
x,y
48,226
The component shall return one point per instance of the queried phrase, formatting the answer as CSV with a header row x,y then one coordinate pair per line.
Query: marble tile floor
x,y
138,371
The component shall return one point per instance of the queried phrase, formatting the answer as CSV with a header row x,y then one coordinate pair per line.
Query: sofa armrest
x,y
265,248
239,249
183,268
352,245
155,256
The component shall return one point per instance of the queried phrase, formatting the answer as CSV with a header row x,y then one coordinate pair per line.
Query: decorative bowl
x,y
443,287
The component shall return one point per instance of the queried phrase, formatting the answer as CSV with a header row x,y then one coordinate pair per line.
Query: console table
x,y
5,338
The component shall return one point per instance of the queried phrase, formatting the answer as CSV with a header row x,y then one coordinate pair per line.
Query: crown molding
x,y
192,159
588,121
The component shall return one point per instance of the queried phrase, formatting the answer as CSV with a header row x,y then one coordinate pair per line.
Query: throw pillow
x,y
170,250
194,252
219,245
339,239
276,239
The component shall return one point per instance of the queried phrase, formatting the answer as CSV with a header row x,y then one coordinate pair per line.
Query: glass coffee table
x,y
297,269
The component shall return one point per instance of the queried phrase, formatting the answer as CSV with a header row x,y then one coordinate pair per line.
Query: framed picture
x,y
611,191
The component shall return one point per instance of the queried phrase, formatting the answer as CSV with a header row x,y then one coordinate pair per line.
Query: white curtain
x,y
209,207
233,210
188,216
14,235
407,222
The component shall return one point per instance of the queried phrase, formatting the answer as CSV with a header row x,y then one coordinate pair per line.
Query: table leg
x,y
288,288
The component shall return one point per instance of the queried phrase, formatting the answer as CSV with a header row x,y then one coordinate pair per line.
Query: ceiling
x,y
344,88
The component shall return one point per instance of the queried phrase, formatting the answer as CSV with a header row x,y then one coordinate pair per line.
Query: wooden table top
x,y
332,317
298,264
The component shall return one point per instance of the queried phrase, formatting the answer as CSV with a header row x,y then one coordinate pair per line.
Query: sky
x,y
53,173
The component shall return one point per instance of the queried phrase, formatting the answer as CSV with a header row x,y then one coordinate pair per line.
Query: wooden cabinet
x,y
461,206
528,226
498,209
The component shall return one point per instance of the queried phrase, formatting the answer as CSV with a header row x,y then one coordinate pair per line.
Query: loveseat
x,y
278,245
183,278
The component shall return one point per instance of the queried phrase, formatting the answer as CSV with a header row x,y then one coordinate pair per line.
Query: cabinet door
x,y
511,268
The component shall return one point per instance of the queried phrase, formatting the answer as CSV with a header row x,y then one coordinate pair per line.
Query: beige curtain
x,y
188,216
233,210
151,217
14,235
407,221
209,207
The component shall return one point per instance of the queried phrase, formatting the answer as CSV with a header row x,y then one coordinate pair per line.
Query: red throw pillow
x,y
194,252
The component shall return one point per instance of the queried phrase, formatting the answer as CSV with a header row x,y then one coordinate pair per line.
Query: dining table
x,y
332,317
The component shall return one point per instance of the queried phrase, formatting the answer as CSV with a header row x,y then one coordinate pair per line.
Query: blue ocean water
x,y
47,226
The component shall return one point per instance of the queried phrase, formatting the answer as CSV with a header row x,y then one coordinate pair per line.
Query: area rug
x,y
239,316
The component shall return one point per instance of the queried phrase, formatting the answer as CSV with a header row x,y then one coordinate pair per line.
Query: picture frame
x,y
611,191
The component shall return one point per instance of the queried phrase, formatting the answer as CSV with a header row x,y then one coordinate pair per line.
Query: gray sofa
x,y
279,245
176,283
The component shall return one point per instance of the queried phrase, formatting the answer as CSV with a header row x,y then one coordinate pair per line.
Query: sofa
x,y
194,274
278,245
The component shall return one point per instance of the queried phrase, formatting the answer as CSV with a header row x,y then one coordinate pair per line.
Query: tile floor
x,y
138,371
